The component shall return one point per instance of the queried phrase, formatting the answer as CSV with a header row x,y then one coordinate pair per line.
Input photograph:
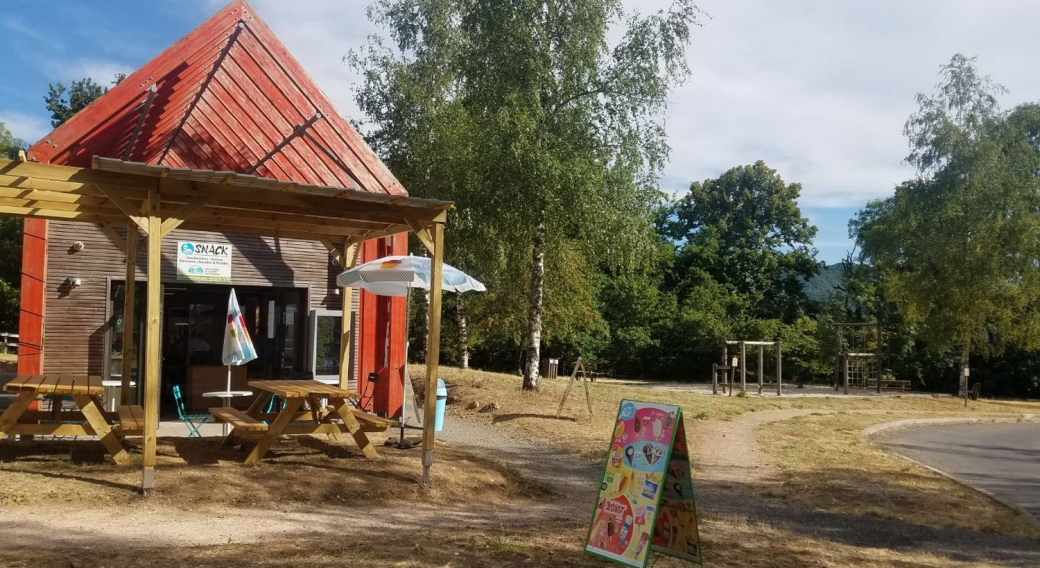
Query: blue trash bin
x,y
442,399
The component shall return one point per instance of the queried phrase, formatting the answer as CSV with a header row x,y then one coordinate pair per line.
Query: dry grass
x,y
825,461
730,543
199,473
827,464
533,414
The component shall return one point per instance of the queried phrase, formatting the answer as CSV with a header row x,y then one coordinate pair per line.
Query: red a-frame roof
x,y
228,96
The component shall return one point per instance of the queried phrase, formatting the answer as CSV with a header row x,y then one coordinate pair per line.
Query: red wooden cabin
x,y
226,97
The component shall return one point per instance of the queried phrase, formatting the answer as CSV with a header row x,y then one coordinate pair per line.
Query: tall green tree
x,y
745,230
10,245
548,138
957,248
64,102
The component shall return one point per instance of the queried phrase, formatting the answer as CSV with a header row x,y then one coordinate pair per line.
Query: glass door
x,y
325,332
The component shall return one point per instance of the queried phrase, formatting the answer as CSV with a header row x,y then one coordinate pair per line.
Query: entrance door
x,y
194,320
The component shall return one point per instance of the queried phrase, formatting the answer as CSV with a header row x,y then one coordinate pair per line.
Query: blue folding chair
x,y
192,421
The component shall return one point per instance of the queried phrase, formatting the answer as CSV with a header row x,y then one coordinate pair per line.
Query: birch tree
x,y
541,129
958,246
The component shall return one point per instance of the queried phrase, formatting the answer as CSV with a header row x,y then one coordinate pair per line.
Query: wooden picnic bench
x,y
327,404
91,420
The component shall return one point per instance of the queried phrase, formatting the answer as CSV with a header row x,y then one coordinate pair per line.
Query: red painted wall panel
x,y
377,313
34,279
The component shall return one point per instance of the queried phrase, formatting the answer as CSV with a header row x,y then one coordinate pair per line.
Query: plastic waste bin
x,y
442,399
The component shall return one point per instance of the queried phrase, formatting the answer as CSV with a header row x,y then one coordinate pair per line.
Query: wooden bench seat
x,y
131,419
242,422
371,422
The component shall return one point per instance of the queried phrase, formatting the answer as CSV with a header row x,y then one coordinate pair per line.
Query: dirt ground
x,y
782,483
198,473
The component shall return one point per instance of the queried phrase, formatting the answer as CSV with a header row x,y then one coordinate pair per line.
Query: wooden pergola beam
x,y
151,341
351,253
182,215
129,322
128,209
423,234
117,240
334,252
433,349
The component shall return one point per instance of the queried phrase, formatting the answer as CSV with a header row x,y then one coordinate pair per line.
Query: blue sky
x,y
819,90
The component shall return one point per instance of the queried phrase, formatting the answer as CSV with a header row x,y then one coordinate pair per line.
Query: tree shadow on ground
x,y
510,417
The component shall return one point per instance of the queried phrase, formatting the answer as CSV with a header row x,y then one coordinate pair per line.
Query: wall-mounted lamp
x,y
73,282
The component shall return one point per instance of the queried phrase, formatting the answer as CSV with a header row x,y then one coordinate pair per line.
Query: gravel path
x,y
727,462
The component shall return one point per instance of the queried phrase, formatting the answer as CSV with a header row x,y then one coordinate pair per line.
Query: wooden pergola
x,y
154,200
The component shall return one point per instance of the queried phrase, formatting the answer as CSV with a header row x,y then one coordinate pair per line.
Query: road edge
x,y
870,431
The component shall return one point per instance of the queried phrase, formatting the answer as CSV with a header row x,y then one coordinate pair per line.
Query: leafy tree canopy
x,y
957,247
745,230
547,137
64,102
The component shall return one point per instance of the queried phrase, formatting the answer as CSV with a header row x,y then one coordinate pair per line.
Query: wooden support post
x,y
761,367
346,362
714,378
151,366
433,348
846,359
779,370
877,357
837,357
129,323
726,363
743,367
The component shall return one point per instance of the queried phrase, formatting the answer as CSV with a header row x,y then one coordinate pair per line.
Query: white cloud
x,y
29,128
101,70
34,36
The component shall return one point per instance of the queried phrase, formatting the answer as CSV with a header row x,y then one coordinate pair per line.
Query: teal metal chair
x,y
192,421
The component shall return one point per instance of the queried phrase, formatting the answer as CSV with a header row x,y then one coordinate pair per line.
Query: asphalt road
x,y
1003,459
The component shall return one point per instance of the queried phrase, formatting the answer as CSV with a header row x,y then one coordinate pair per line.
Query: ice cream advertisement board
x,y
646,489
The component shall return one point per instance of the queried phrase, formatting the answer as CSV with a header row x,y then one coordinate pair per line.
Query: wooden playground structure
x,y
729,368
858,348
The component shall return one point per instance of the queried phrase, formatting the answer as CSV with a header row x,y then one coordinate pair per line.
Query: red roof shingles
x,y
252,102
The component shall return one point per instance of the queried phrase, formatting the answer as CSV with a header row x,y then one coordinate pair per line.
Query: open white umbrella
x,y
395,275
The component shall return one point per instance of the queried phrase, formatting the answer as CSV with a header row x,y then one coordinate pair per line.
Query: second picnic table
x,y
318,419
91,420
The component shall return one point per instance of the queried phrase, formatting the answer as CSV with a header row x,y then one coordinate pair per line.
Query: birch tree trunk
x,y
534,317
460,319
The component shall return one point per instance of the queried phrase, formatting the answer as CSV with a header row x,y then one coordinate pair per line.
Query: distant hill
x,y
823,286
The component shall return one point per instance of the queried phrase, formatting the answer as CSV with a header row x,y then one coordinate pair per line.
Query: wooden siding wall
x,y
75,328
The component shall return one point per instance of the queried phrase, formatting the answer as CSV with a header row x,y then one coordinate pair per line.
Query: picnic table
x,y
326,403
89,420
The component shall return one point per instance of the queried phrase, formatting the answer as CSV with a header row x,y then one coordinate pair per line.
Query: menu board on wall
x,y
645,499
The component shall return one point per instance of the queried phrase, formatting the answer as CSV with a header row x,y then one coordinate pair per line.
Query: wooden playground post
x,y
761,367
846,359
779,373
714,378
743,367
877,357
727,363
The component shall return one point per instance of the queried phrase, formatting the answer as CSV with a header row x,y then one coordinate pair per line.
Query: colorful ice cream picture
x,y
634,483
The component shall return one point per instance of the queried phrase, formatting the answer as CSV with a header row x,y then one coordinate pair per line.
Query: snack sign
x,y
646,499
204,262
